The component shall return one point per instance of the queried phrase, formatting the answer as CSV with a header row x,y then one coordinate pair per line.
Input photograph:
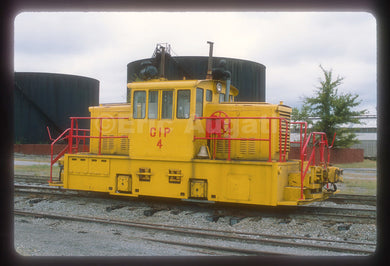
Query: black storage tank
x,y
48,99
247,76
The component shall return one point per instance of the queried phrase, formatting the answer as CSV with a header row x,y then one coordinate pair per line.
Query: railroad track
x,y
340,214
224,240
338,198
334,214
31,178
353,199
47,190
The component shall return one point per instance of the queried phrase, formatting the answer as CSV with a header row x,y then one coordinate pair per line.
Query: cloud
x,y
59,33
290,45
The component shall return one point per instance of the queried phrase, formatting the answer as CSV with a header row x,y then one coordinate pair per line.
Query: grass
x,y
365,164
358,182
37,170
32,158
356,186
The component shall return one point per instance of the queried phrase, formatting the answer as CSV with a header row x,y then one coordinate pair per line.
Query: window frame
x,y
196,101
172,103
177,103
143,114
209,93
157,109
221,97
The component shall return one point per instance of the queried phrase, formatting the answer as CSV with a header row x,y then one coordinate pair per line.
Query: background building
x,y
366,133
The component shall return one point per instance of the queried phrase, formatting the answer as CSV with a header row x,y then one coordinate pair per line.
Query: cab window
x,y
139,104
199,102
221,97
183,104
153,105
166,108
209,95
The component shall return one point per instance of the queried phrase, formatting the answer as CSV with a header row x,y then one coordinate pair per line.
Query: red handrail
x,y
282,151
73,135
323,143
60,137
301,133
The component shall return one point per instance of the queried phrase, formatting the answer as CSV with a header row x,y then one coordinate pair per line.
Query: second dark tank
x,y
247,76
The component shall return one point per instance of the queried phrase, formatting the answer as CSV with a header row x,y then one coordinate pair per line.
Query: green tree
x,y
334,111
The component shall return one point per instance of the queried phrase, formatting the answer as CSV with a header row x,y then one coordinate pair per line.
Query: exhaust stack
x,y
210,62
162,62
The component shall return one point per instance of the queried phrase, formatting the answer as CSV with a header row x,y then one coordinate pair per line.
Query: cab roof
x,y
169,84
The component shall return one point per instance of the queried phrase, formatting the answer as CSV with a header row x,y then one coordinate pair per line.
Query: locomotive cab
x,y
163,116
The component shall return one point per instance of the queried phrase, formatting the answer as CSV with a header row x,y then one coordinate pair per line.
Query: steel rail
x,y
341,212
31,177
352,199
90,194
220,248
323,213
144,226
190,231
55,191
355,199
338,198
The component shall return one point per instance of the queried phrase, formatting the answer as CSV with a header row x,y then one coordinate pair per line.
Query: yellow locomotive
x,y
189,140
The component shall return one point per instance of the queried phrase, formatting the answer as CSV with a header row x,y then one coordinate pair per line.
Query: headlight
x,y
219,87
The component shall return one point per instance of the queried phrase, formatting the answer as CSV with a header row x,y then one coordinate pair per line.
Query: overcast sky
x,y
291,45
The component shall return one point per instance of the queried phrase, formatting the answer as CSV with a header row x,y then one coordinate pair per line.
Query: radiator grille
x,y
107,144
124,144
285,131
222,146
247,147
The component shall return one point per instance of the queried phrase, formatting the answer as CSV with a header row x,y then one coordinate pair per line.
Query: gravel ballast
x,y
52,237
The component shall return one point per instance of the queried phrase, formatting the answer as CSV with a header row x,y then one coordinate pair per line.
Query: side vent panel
x,y
222,146
285,128
247,147
174,176
144,174
124,145
107,144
